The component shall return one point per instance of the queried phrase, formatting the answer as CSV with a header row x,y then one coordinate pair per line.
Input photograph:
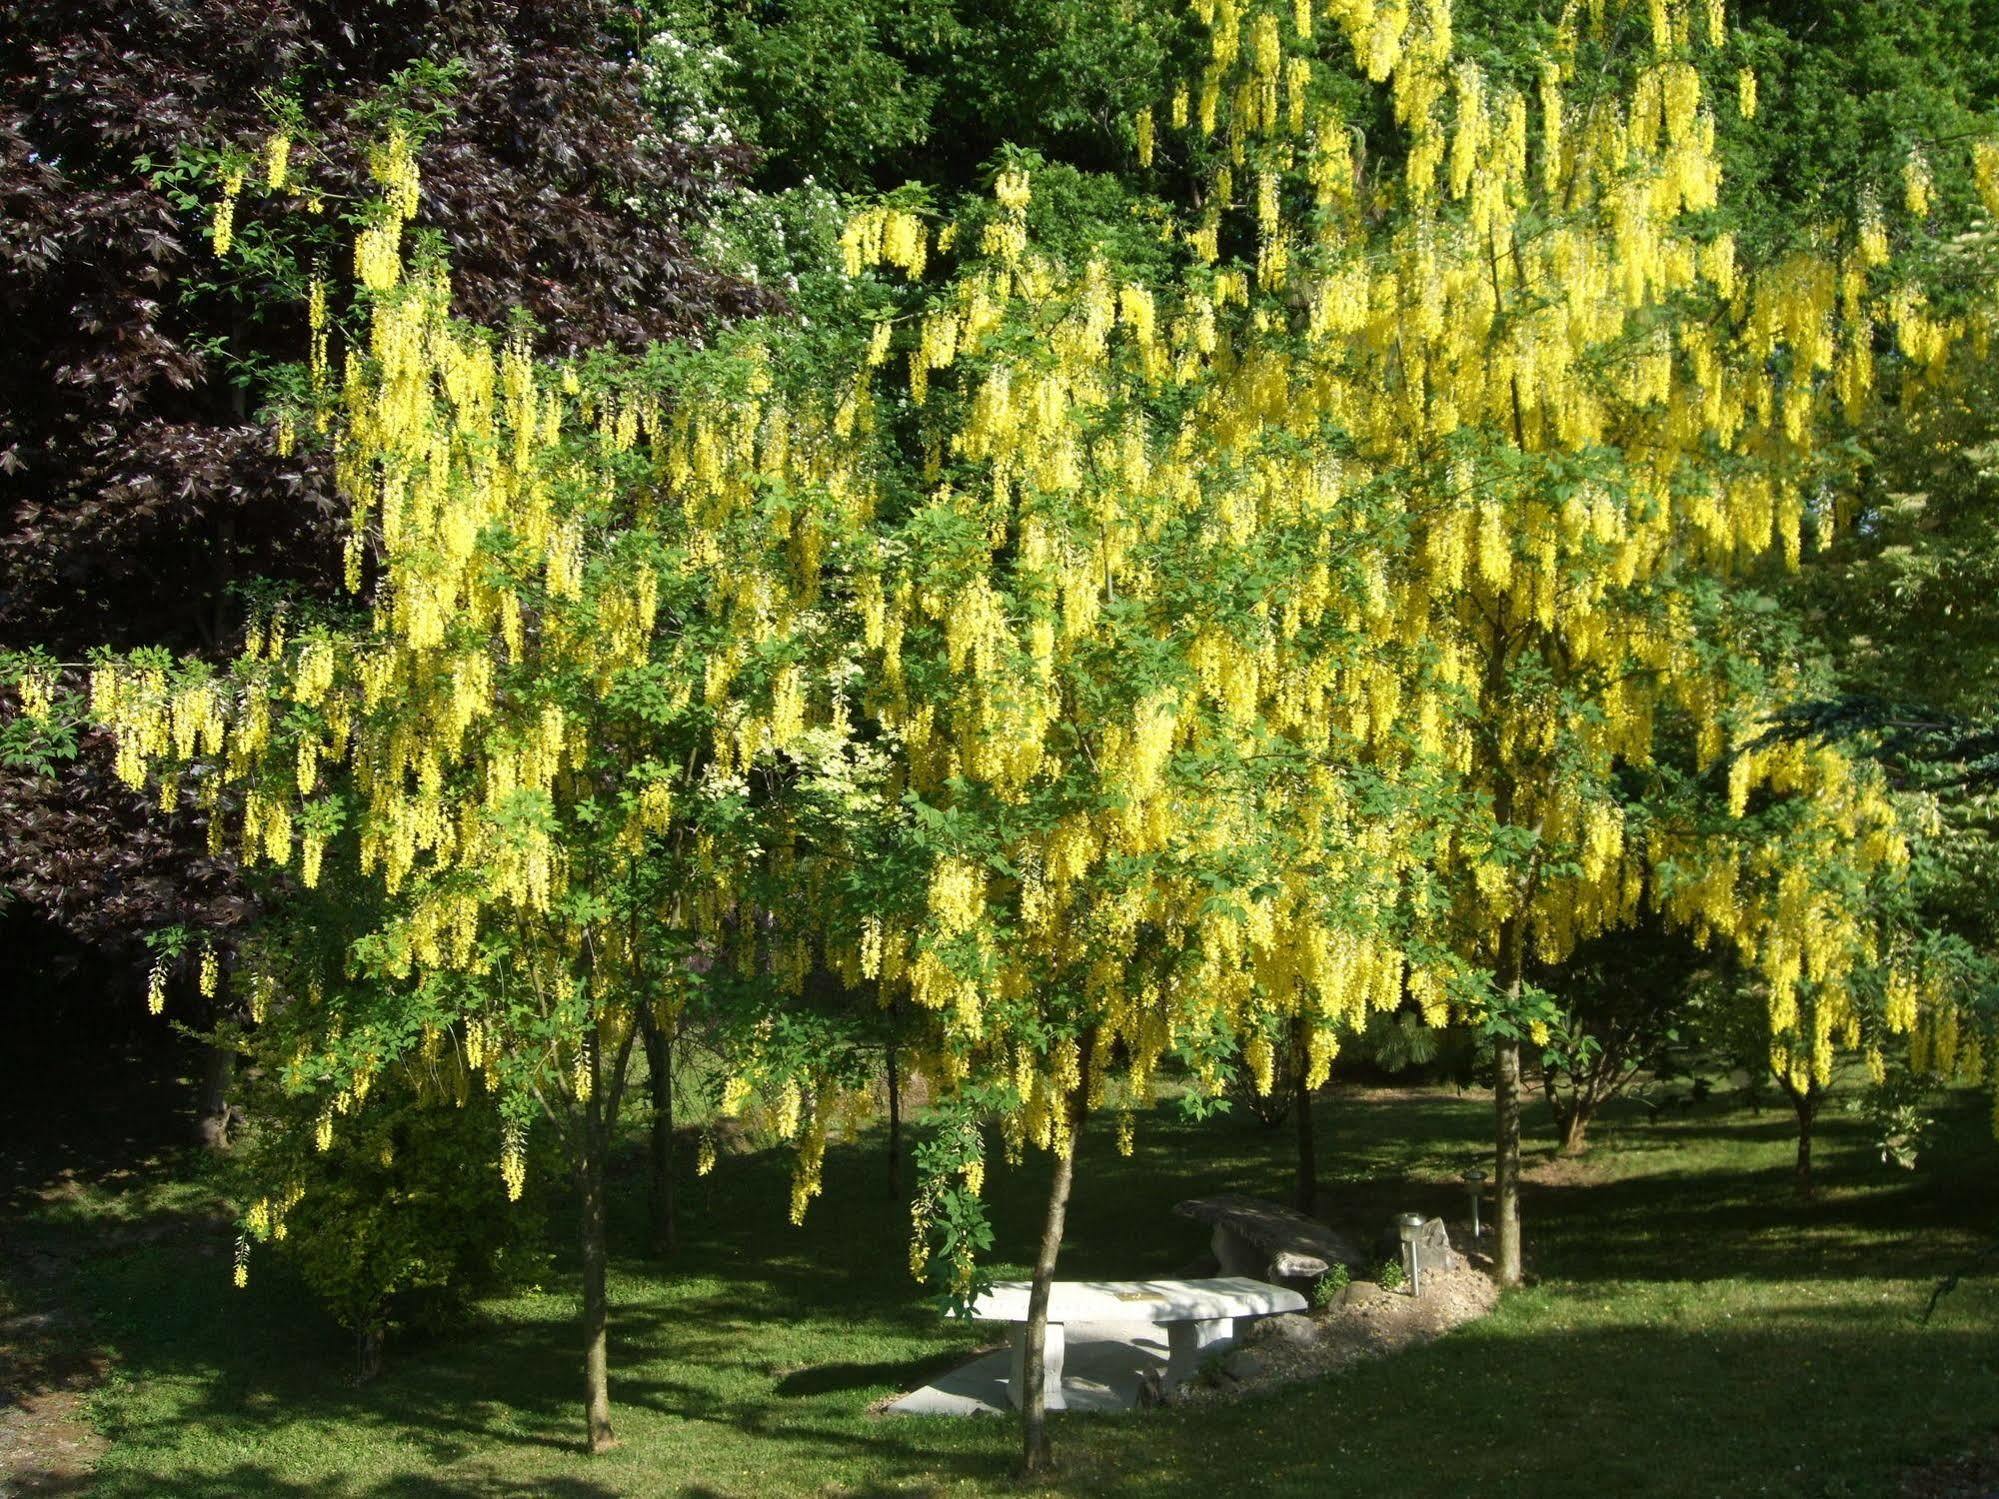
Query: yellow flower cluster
x,y
885,236
1784,899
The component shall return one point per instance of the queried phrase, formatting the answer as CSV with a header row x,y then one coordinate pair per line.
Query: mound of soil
x,y
1366,1321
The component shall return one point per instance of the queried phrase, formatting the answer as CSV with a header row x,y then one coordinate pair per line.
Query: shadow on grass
x,y
1827,1403
759,1347
248,1479
1817,1400
898,1374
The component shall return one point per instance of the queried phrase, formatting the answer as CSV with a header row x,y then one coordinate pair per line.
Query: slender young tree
x,y
589,631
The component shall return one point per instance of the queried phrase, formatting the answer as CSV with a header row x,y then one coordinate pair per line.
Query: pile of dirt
x,y
1365,1321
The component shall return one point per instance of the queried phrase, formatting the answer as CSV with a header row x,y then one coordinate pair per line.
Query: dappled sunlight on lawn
x,y
1680,1289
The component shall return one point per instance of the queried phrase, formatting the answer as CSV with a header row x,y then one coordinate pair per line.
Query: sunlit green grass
x,y
1693,1331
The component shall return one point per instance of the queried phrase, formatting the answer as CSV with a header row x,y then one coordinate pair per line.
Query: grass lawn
x,y
1692,1331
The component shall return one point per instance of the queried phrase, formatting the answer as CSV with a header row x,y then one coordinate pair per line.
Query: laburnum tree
x,y
534,778
1601,412
1110,626
1902,603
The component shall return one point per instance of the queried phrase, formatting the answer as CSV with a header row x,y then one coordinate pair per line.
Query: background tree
x,y
863,96
1623,996
144,486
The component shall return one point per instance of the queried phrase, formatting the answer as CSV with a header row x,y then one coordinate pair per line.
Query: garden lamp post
x,y
1474,1180
1409,1225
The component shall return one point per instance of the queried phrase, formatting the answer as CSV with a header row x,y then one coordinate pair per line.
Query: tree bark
x,y
1574,1127
1572,1114
213,1112
1506,1265
1805,1102
596,1352
659,1082
1034,1395
1306,1195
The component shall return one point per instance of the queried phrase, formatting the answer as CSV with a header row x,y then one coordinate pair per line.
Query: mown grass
x,y
1692,1331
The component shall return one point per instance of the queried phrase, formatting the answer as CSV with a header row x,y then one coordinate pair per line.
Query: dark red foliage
x,y
137,484
134,487
98,860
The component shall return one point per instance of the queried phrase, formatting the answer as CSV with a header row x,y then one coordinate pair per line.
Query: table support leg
x,y
1187,1343
1051,1366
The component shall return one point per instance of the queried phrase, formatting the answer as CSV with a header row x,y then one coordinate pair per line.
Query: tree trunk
x,y
1573,1124
1806,1104
1572,1114
1034,1395
659,1082
596,1353
1506,1266
1306,1196
1506,1162
894,1125
213,1112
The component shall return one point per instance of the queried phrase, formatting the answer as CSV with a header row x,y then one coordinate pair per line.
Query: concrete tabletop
x,y
1140,1300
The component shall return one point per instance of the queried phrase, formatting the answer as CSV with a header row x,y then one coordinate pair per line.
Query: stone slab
x,y
1140,1300
1255,1236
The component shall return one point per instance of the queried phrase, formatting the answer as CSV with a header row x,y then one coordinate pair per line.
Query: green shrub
x,y
1331,1286
404,1219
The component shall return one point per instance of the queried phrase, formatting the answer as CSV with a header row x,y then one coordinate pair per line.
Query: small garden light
x,y
1474,1180
1409,1225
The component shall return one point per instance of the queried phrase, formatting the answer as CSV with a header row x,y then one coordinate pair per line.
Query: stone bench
x,y
1265,1241
1199,1316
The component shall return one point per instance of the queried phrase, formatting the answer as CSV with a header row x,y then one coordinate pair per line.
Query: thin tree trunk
x,y
1306,1196
1564,1115
1034,1395
1506,1264
894,1125
212,1114
596,1353
1805,1102
1506,1161
1572,1114
659,1084
1574,1126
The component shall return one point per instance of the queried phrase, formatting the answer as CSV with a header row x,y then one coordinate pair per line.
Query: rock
x,y
1267,1241
1434,1253
1294,1328
1288,1264
1244,1364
